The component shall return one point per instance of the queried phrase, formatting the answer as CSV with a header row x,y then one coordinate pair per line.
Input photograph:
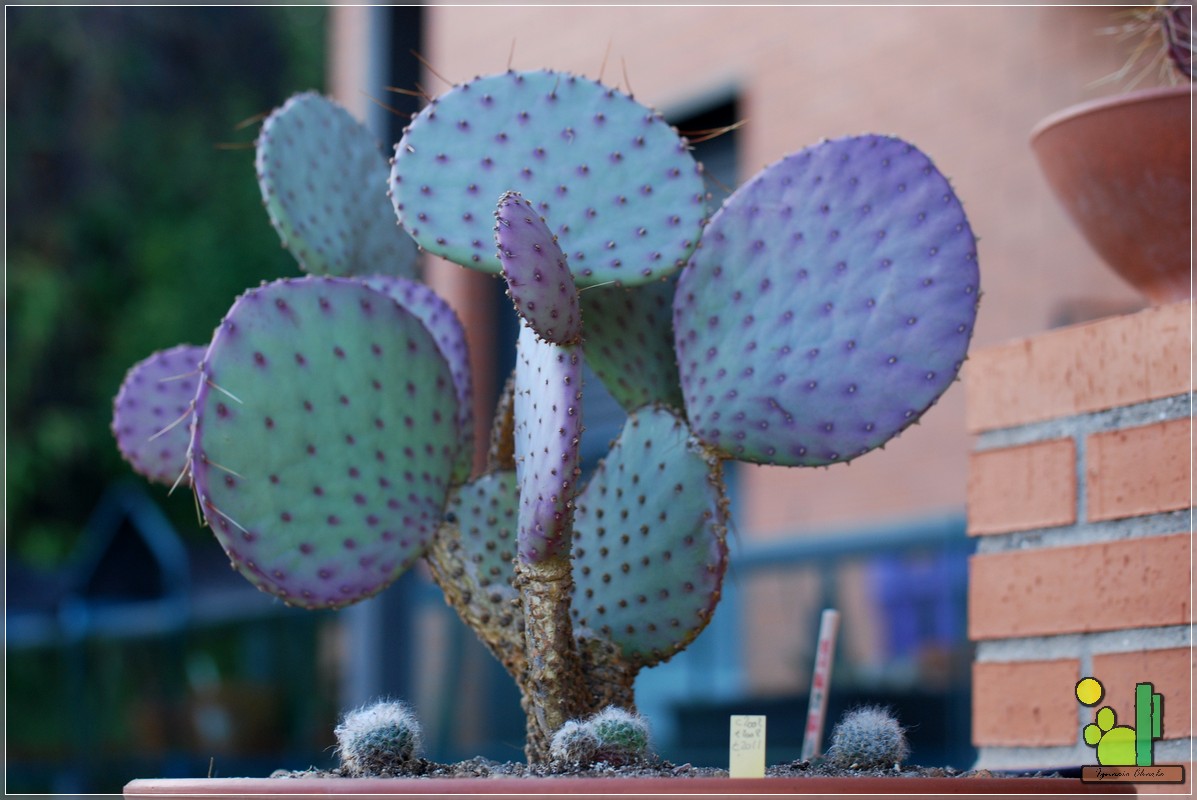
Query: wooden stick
x,y
820,684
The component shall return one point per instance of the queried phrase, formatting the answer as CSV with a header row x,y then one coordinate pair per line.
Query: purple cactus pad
x,y
487,512
538,278
442,322
324,440
624,195
650,547
151,416
323,182
548,429
629,342
830,304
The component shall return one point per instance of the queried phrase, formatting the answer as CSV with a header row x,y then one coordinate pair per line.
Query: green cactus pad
x,y
324,439
538,278
548,430
650,540
624,195
442,322
151,413
629,343
323,181
486,513
830,305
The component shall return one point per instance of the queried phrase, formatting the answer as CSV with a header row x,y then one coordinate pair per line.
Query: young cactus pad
x,y
152,411
324,439
625,197
548,430
830,305
538,279
650,544
323,181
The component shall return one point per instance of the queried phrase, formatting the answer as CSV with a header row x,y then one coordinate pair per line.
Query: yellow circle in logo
x,y
1089,691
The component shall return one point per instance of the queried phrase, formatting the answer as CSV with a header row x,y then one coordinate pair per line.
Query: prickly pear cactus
x,y
446,329
831,304
538,279
323,182
629,343
624,195
324,438
548,430
650,547
328,430
151,416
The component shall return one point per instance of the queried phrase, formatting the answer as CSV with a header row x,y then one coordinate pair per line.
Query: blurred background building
x,y
134,220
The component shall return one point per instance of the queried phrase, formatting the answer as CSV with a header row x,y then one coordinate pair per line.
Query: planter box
x,y
621,787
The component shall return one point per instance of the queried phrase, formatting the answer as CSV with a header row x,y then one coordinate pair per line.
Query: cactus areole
x,y
326,429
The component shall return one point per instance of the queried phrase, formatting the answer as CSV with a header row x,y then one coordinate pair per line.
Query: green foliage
x,y
117,242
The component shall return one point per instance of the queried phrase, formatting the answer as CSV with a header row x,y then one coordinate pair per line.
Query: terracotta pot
x,y
621,787
1120,166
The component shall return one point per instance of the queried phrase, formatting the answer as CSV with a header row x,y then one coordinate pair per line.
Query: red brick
x,y
1025,703
1169,671
1139,471
1099,365
1106,586
1018,488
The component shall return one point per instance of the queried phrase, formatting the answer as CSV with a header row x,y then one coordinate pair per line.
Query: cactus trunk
x,y
554,670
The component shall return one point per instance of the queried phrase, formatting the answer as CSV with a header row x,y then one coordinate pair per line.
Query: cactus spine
x,y
818,313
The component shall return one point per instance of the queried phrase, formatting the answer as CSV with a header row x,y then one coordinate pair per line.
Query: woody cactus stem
x,y
548,429
553,664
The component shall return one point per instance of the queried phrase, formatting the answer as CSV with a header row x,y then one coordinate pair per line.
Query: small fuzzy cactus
x,y
868,738
378,739
327,427
613,736
574,742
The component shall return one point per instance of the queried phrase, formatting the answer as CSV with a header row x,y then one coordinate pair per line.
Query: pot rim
x,y
613,786
1100,104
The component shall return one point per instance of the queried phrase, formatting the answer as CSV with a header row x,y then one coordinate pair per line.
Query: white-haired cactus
x,y
574,743
379,738
328,429
868,738
614,736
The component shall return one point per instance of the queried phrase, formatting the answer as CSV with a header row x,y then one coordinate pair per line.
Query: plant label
x,y
747,751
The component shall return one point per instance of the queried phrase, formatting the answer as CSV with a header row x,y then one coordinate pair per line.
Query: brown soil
x,y
483,768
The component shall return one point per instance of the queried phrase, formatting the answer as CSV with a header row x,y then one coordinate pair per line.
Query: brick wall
x,y
1079,494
